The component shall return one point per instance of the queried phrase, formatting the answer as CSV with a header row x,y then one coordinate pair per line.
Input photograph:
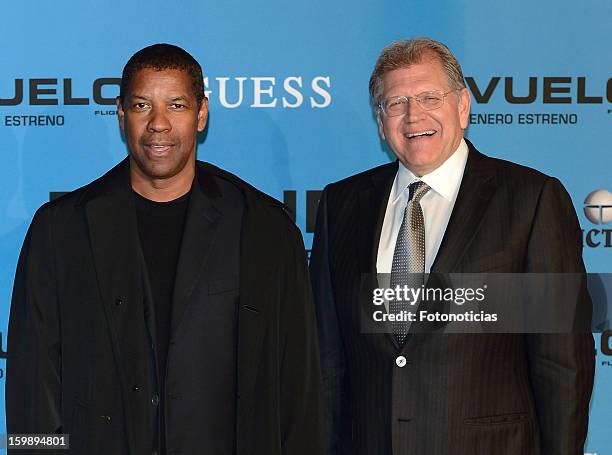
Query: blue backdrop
x,y
289,108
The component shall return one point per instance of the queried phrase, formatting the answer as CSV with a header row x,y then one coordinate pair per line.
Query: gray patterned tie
x,y
408,264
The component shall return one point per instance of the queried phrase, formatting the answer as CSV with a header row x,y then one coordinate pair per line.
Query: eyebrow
x,y
139,97
176,98
179,98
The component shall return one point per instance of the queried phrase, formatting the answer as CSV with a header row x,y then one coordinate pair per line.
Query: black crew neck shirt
x,y
160,228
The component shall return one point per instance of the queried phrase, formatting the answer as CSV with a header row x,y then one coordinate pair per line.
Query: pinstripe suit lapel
x,y
372,206
477,188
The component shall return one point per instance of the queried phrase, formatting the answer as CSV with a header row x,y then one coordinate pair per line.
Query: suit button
x,y
136,388
155,399
400,361
154,452
118,302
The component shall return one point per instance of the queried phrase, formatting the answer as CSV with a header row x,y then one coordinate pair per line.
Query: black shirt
x,y
160,228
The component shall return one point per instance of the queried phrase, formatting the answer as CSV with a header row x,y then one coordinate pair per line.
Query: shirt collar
x,y
444,180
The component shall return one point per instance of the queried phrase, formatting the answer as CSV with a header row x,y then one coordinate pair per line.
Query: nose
x,y
158,121
414,111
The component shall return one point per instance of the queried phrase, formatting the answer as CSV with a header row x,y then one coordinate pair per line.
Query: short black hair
x,y
159,57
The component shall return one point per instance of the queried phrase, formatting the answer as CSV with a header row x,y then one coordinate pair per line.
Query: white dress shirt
x,y
437,205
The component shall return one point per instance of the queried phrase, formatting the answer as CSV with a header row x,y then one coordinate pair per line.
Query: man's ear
x,y
463,105
203,114
381,129
120,114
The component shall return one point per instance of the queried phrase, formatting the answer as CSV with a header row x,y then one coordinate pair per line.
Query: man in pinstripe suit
x,y
419,393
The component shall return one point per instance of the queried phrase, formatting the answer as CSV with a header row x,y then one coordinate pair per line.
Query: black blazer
x,y
78,343
458,394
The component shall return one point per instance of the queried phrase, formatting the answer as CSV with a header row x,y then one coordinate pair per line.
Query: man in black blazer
x,y
166,306
444,207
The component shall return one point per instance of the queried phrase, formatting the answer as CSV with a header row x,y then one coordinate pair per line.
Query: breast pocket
x,y
223,285
500,261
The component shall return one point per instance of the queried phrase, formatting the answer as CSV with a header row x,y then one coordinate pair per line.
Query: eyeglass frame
x,y
416,98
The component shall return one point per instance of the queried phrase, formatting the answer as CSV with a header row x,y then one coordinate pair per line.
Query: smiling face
x,y
160,118
422,140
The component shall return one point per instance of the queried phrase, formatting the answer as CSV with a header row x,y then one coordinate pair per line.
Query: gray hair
x,y
403,53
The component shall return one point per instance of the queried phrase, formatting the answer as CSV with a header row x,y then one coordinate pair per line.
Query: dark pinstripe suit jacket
x,y
513,394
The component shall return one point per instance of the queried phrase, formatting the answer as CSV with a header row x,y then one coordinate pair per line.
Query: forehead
x,y
426,75
149,81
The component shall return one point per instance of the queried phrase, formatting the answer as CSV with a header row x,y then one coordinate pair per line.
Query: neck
x,y
162,189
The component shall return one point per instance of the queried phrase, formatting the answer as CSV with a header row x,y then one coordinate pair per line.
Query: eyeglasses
x,y
398,105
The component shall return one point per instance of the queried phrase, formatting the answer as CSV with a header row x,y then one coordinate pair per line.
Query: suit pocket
x,y
500,261
502,434
221,285
499,419
95,433
79,425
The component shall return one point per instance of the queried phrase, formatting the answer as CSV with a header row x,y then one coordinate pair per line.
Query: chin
x,y
160,172
419,161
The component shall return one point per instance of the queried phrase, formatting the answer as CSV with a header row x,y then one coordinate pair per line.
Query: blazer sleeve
x,y
330,342
33,374
300,371
562,366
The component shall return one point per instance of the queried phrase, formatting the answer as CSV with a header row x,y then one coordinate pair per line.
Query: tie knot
x,y
417,191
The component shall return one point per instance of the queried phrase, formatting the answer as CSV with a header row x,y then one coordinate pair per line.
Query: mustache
x,y
158,140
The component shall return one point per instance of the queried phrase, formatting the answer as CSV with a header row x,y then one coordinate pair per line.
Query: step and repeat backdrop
x,y
289,107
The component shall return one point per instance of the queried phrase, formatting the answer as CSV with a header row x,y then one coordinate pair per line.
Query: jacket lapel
x,y
372,207
477,188
111,219
258,267
199,233
475,193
